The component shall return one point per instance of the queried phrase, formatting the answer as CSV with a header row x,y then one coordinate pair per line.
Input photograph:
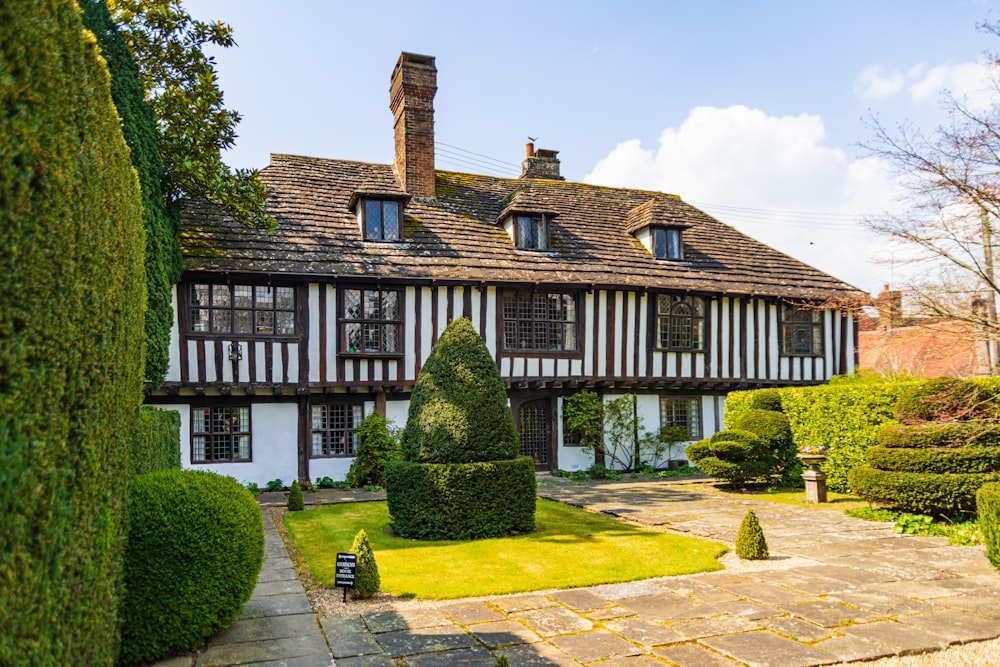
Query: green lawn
x,y
569,548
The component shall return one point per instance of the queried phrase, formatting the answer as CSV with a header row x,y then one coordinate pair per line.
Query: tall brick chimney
x,y
411,99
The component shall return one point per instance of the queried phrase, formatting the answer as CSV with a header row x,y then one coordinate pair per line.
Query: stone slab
x,y
632,661
553,621
646,633
342,624
982,604
521,603
269,574
766,649
795,629
304,661
279,587
617,592
423,640
405,619
749,610
880,602
667,607
609,613
581,600
955,625
768,593
351,644
275,605
468,657
263,651
692,655
535,655
849,649
366,661
593,646
266,627
503,633
717,625
829,614
466,613
900,639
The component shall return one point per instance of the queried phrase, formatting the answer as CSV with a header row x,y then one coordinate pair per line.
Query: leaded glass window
x,y
372,321
539,321
334,429
680,322
220,434
247,310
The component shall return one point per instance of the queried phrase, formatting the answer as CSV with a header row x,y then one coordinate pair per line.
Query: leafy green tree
x,y
182,87
376,447
163,254
295,501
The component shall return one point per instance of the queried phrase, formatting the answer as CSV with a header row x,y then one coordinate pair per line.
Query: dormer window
x,y
380,220
667,243
531,232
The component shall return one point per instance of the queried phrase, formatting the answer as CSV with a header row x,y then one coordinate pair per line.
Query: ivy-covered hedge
x,y
921,493
71,339
945,434
988,510
157,445
938,461
461,501
195,547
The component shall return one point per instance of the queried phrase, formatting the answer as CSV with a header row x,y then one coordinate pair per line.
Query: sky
x,y
756,112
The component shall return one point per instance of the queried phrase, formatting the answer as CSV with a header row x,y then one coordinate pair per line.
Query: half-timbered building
x,y
284,341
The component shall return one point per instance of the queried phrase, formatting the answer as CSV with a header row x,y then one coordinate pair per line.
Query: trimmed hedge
x,y
733,455
919,493
195,547
988,509
71,339
935,461
157,445
943,434
461,501
459,411
945,400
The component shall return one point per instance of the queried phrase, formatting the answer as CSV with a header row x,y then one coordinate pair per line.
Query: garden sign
x,y
347,566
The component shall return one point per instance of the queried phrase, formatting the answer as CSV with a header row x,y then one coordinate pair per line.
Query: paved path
x,y
836,589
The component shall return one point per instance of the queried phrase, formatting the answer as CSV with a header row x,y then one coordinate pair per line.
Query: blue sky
x,y
753,111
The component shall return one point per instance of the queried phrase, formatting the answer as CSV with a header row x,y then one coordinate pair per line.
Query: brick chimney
x,y
890,308
540,163
411,99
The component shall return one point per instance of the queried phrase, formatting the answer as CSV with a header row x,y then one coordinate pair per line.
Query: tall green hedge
x,y
71,339
988,508
157,445
161,222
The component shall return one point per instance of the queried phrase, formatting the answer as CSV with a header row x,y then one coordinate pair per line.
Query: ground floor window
x,y
220,434
334,429
681,412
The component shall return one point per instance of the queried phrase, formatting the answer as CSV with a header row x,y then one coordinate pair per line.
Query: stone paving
x,y
855,591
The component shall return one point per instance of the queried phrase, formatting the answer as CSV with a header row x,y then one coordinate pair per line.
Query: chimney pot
x,y
529,149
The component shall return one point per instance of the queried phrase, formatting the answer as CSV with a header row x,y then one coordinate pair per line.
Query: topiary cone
x,y
295,502
366,578
750,542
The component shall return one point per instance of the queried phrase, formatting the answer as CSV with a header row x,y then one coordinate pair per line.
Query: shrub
x,y
459,411
366,578
750,542
988,508
71,349
376,447
919,493
195,548
945,400
935,460
765,399
776,431
295,501
157,445
275,485
939,434
502,661
461,500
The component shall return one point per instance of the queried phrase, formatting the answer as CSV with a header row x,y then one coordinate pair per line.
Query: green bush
x,y
157,445
459,411
988,509
376,447
935,460
295,501
765,399
71,330
366,578
776,430
195,547
461,501
945,400
939,434
750,542
919,493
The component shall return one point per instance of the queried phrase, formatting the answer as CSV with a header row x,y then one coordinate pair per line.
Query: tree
x,y
182,87
951,178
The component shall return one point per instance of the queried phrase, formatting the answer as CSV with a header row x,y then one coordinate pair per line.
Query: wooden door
x,y
534,423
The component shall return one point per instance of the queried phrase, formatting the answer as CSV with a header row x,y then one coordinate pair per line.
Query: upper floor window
x,y
255,310
531,232
539,321
220,434
371,321
680,322
801,331
667,243
380,218
681,413
335,429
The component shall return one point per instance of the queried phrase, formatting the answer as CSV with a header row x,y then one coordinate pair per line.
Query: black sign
x,y
347,565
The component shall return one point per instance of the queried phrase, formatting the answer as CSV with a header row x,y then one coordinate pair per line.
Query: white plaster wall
x,y
570,458
173,349
396,413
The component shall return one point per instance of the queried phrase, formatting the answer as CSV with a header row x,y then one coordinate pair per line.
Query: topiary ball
x,y
295,501
366,578
750,542
766,399
459,411
195,547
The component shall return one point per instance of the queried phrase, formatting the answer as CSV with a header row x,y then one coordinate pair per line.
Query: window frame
x,y
349,433
794,320
693,323
381,237
232,308
344,322
566,324
669,251
694,433
541,231
232,435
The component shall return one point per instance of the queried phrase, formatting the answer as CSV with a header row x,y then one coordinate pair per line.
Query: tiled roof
x,y
654,212
454,237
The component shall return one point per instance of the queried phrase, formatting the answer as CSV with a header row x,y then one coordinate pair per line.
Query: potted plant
x,y
812,455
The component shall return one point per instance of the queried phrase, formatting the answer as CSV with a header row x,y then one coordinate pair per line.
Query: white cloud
x,y
772,178
875,84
